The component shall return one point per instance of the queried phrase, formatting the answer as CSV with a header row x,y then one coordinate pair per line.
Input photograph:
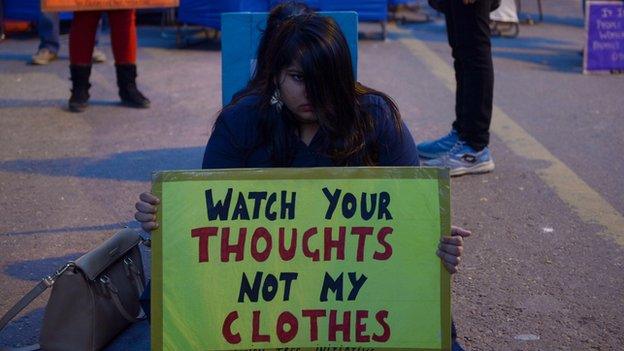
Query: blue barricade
x,y
27,10
208,13
313,4
367,10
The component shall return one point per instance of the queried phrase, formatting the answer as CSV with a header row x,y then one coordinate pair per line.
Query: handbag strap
x,y
135,276
131,270
42,286
114,294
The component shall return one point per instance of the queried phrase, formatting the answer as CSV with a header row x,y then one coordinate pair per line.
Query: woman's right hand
x,y
146,211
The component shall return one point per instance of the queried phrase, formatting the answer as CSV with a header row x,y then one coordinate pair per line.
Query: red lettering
x,y
343,327
287,254
284,335
227,328
313,315
381,238
261,233
360,327
339,244
204,234
362,232
314,255
227,249
255,327
381,319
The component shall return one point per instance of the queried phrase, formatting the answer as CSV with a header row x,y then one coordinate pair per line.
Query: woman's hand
x,y
451,247
146,211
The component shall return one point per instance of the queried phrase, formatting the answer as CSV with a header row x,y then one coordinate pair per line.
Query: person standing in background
x,y
48,28
124,43
1,20
465,149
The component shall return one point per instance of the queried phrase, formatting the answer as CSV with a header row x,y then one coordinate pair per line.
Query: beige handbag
x,y
93,298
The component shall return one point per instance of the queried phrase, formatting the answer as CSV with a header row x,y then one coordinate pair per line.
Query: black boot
x,y
128,91
80,87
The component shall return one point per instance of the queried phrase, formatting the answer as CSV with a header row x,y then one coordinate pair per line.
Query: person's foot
x,y
132,97
79,100
439,147
463,159
128,90
43,57
98,56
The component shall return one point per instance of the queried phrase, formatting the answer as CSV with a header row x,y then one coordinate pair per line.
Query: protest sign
x,y
604,48
308,259
86,5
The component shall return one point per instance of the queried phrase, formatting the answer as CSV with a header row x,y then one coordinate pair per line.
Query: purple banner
x,y
604,49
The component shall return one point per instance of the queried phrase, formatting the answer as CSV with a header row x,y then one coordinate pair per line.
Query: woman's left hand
x,y
451,247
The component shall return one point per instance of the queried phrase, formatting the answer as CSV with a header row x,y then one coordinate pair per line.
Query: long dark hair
x,y
319,47
279,13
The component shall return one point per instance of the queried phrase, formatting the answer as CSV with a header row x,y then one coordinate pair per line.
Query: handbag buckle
x,y
49,280
108,286
147,242
129,267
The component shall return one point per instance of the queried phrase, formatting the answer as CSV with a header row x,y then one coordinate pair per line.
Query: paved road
x,y
544,269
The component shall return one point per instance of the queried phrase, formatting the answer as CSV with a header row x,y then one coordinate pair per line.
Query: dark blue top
x,y
235,140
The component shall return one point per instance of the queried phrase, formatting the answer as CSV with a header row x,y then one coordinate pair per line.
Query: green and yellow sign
x,y
301,259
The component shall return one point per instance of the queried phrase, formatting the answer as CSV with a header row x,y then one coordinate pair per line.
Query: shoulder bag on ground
x,y
93,298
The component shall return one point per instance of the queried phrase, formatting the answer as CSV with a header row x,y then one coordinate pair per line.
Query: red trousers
x,y
123,36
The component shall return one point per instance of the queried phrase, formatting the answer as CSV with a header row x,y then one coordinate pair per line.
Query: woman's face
x,y
293,94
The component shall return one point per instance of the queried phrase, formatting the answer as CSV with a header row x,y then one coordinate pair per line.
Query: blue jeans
x,y
49,31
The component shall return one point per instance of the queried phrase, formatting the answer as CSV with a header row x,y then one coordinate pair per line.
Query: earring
x,y
276,100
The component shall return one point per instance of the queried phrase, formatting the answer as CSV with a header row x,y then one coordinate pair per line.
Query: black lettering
x,y
270,215
221,208
257,196
269,288
287,277
384,202
288,206
356,285
349,205
333,201
367,213
240,210
246,289
330,284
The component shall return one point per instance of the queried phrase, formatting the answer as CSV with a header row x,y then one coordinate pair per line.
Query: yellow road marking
x,y
584,201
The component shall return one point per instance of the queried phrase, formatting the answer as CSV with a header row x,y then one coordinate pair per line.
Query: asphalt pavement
x,y
544,269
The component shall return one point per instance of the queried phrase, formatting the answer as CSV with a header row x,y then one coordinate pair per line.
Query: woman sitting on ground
x,y
305,109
